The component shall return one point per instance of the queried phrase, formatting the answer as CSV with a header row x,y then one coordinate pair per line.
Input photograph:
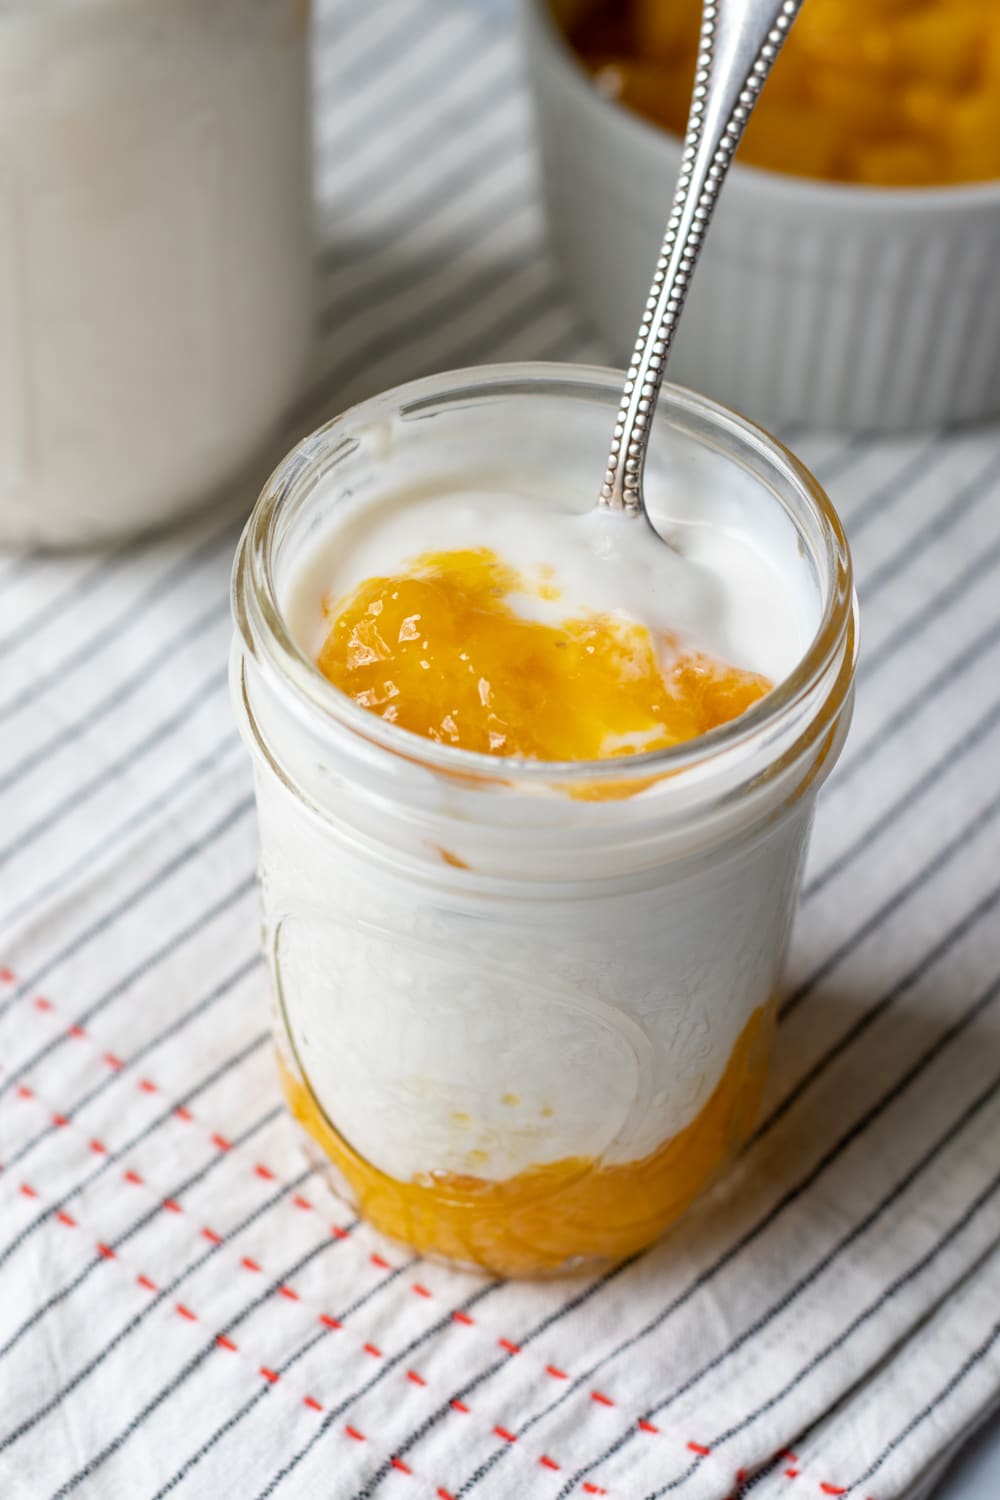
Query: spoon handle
x,y
739,41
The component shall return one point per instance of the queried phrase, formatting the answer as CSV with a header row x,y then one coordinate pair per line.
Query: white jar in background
x,y
527,1016
155,254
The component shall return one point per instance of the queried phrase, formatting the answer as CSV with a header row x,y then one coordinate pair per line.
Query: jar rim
x,y
265,633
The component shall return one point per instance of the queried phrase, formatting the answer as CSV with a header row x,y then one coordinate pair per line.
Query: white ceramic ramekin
x,y
813,303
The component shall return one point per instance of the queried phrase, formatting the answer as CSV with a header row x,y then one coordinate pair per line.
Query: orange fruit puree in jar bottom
x,y
549,1216
441,650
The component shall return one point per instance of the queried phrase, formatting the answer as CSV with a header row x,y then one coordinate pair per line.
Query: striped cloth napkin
x,y
185,1309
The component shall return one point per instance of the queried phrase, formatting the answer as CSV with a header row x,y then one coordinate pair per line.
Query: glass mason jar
x,y
156,266
523,1010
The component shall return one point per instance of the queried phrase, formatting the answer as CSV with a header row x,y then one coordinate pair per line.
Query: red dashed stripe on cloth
x,y
111,1059
171,1206
265,1372
116,1064
149,1086
272,1376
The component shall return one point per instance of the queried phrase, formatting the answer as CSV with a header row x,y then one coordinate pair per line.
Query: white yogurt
x,y
716,586
505,1070
155,253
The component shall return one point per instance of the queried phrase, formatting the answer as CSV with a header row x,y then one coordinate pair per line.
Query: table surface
x,y
975,1474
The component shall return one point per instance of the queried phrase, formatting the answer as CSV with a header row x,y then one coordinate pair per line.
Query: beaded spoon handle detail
x,y
740,40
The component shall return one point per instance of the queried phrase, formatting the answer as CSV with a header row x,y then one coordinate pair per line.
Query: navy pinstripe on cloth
x,y
185,1310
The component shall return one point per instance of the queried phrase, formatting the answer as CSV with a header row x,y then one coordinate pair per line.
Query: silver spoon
x,y
739,41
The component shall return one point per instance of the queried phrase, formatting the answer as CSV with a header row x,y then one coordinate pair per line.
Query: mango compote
x,y
885,92
452,649
559,1214
444,652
